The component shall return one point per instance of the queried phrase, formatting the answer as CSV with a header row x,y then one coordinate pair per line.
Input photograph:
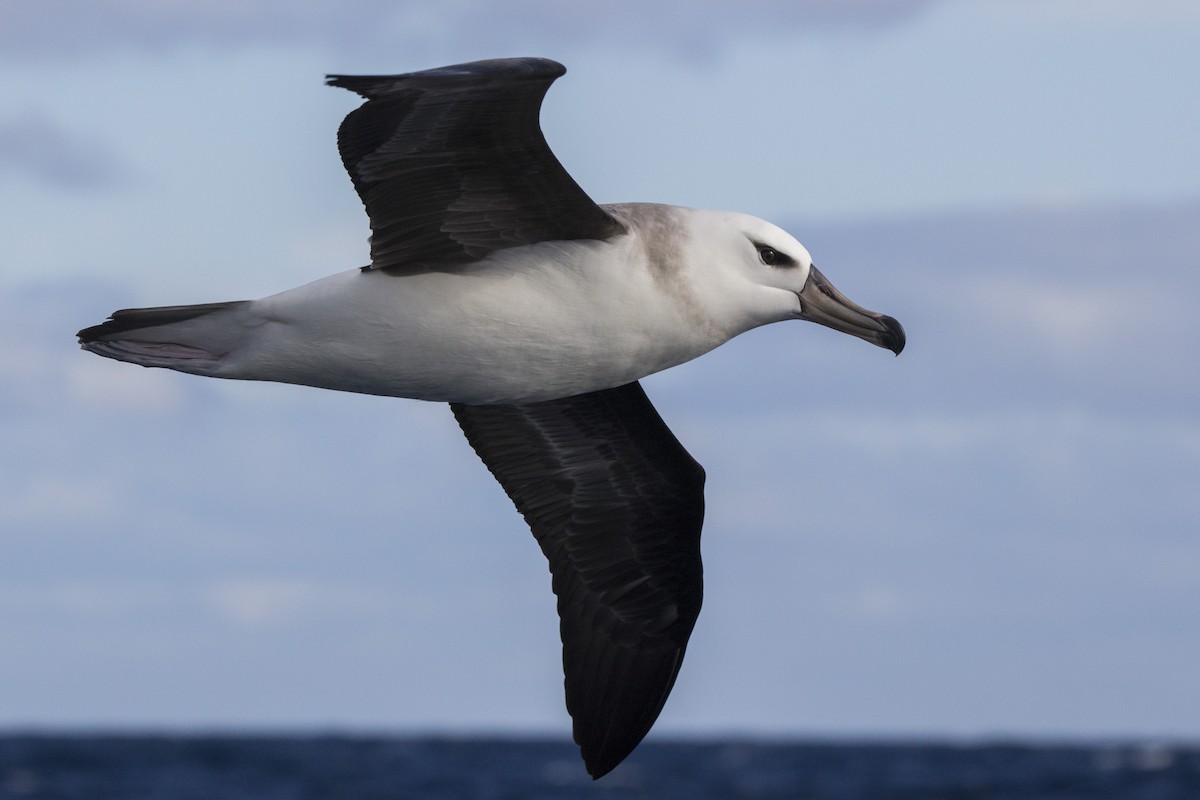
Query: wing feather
x,y
451,164
616,504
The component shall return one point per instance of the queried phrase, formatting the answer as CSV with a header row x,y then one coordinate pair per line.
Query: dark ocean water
x,y
350,767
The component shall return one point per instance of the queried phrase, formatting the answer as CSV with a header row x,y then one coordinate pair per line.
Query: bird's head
x,y
776,280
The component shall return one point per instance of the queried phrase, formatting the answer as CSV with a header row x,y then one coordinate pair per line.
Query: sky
x,y
993,535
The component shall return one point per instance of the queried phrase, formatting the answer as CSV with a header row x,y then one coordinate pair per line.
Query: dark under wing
x,y
616,504
451,164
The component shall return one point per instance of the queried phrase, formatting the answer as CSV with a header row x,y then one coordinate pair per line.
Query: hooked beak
x,y
825,305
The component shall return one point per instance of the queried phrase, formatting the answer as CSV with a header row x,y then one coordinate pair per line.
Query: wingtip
x,y
371,86
606,749
359,84
597,768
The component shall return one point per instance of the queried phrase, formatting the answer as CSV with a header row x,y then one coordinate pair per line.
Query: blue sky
x,y
994,534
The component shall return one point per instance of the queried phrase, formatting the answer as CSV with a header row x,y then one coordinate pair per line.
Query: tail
x,y
186,338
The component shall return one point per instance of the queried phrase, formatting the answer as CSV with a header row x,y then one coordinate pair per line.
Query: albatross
x,y
498,286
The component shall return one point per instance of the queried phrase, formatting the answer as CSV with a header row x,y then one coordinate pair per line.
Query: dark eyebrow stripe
x,y
784,259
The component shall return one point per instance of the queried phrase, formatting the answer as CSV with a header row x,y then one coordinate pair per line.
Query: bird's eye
x,y
772,257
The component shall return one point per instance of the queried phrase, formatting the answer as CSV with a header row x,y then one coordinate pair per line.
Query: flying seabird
x,y
498,286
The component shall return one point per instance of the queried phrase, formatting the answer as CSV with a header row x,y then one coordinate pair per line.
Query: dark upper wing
x,y
616,504
452,165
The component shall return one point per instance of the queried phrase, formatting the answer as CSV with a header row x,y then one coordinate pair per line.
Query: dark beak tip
x,y
894,338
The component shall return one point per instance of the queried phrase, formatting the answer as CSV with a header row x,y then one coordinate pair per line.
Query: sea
x,y
344,767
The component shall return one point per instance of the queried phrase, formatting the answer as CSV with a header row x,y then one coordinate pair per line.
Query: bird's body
x,y
496,285
529,323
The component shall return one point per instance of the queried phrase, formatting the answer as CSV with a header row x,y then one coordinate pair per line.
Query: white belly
x,y
486,334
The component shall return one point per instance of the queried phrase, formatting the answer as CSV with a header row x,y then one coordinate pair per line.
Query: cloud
x,y
63,499
44,368
682,25
70,28
38,148
1110,10
74,27
265,601
1077,321
261,601
92,383
85,600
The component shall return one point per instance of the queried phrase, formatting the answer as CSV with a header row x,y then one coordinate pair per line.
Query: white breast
x,y
526,324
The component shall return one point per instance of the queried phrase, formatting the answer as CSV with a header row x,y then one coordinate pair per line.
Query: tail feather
x,y
168,336
131,319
